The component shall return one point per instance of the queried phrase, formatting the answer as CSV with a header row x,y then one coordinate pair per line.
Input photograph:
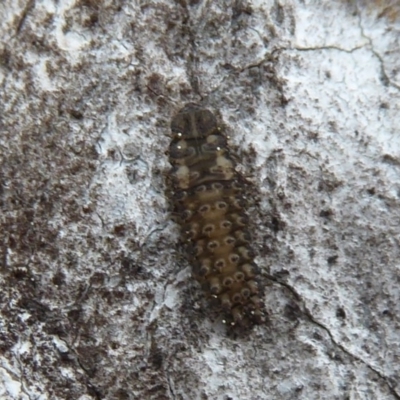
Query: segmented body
x,y
207,196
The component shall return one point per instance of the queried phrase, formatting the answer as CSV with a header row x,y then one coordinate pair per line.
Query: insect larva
x,y
207,197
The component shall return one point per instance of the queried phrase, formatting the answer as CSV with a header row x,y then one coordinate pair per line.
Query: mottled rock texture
x,y
97,300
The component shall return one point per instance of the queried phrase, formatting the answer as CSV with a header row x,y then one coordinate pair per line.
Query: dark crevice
x,y
28,8
316,48
384,76
191,59
93,390
170,387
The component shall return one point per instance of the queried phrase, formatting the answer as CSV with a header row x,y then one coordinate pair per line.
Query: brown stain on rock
x,y
208,199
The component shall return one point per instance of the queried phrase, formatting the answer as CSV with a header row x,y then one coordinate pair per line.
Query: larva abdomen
x,y
207,195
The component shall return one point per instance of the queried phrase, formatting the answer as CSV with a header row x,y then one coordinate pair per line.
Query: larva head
x,y
193,122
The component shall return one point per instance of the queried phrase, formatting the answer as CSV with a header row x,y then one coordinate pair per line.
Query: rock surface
x,y
97,300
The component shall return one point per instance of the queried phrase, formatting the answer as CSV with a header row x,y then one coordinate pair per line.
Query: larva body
x,y
207,197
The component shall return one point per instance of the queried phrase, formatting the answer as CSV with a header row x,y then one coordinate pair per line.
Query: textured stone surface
x,y
97,299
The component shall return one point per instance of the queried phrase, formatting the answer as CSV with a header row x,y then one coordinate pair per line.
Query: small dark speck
x,y
76,114
156,358
292,311
313,136
74,314
392,160
317,336
384,106
332,260
121,394
111,153
86,209
325,213
97,279
371,191
340,313
114,345
58,278
328,75
91,21
130,267
276,225
282,274
333,126
119,230
65,356
227,66
240,9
